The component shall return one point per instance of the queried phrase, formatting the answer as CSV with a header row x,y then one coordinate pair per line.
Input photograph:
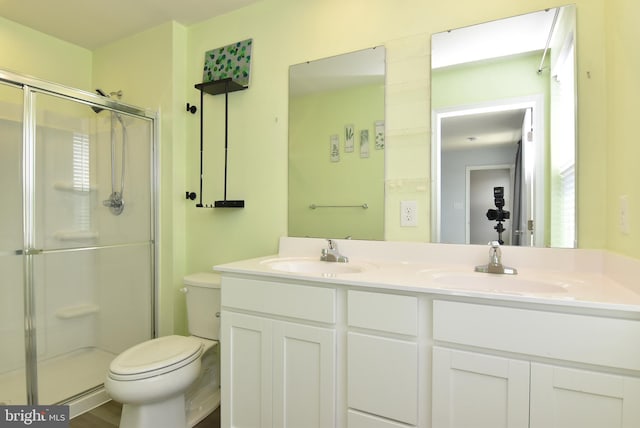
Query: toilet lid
x,y
155,357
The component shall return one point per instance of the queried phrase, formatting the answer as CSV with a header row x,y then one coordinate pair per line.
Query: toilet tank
x,y
203,304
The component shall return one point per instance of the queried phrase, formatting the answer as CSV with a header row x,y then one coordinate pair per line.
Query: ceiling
x,y
495,39
92,23
338,72
482,129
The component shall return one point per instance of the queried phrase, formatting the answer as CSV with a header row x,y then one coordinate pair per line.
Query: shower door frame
x,y
31,87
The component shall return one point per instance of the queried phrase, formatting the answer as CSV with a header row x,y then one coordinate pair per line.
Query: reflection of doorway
x,y
487,134
480,183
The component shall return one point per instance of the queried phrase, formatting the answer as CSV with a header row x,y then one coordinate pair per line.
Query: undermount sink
x,y
312,266
495,283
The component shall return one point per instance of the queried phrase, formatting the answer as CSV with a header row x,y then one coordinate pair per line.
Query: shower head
x,y
101,93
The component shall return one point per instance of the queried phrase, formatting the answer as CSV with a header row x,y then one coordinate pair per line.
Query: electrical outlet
x,y
624,215
408,213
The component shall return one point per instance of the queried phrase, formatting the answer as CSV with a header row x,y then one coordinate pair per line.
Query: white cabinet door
x,y
563,397
479,391
246,345
382,377
304,376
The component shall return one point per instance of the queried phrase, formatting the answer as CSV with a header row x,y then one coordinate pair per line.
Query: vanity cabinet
x,y
278,355
298,353
561,374
382,359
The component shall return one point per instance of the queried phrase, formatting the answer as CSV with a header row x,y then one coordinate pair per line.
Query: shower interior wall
x,y
95,301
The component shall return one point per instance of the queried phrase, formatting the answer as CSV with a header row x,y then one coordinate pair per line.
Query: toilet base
x,y
169,413
203,396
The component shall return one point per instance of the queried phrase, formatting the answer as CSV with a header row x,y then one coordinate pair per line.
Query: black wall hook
x,y
192,109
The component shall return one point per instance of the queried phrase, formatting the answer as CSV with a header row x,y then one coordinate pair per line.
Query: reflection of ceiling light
x,y
471,139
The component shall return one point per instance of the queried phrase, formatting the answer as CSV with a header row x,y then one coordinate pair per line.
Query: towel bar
x,y
314,206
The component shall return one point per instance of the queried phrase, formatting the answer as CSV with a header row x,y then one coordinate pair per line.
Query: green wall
x,y
30,52
149,68
478,82
314,179
623,110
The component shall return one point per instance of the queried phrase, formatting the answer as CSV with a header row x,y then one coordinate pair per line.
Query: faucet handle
x,y
495,254
495,261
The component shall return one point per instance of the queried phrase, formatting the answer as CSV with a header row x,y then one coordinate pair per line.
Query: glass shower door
x,y
12,327
93,228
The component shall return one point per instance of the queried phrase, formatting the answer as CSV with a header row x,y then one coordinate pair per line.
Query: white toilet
x,y
173,381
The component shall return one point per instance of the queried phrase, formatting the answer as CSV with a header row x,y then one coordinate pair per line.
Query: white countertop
x,y
568,277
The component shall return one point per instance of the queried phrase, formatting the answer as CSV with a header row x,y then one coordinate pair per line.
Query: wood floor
x,y
108,416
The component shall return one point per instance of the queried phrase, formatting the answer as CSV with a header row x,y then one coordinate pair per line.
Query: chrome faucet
x,y
495,262
331,253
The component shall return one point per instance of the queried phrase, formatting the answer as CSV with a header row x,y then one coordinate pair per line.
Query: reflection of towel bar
x,y
78,311
314,206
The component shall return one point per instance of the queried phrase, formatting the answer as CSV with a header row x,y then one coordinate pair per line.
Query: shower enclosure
x,y
77,274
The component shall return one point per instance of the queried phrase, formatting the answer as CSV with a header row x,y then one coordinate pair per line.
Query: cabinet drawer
x,y
288,300
362,420
586,339
384,312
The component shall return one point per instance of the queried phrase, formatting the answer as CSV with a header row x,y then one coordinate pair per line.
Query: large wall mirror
x,y
336,146
504,119
504,140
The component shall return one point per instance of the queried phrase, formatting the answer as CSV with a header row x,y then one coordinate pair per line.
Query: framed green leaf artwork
x,y
232,61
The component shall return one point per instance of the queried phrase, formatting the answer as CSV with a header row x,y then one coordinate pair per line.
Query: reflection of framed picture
x,y
364,143
349,138
334,147
379,131
233,61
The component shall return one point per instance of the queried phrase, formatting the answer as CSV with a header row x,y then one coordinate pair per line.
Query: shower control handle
x,y
115,203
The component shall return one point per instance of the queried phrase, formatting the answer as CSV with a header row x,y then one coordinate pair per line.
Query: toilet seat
x,y
155,357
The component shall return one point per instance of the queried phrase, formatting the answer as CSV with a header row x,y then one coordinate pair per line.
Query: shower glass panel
x,y
78,276
92,282
76,170
12,361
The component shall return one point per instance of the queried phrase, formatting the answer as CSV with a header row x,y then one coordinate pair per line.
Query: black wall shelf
x,y
218,87
222,86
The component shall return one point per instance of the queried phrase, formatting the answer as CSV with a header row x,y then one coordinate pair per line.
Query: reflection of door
x,y
526,171
480,183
